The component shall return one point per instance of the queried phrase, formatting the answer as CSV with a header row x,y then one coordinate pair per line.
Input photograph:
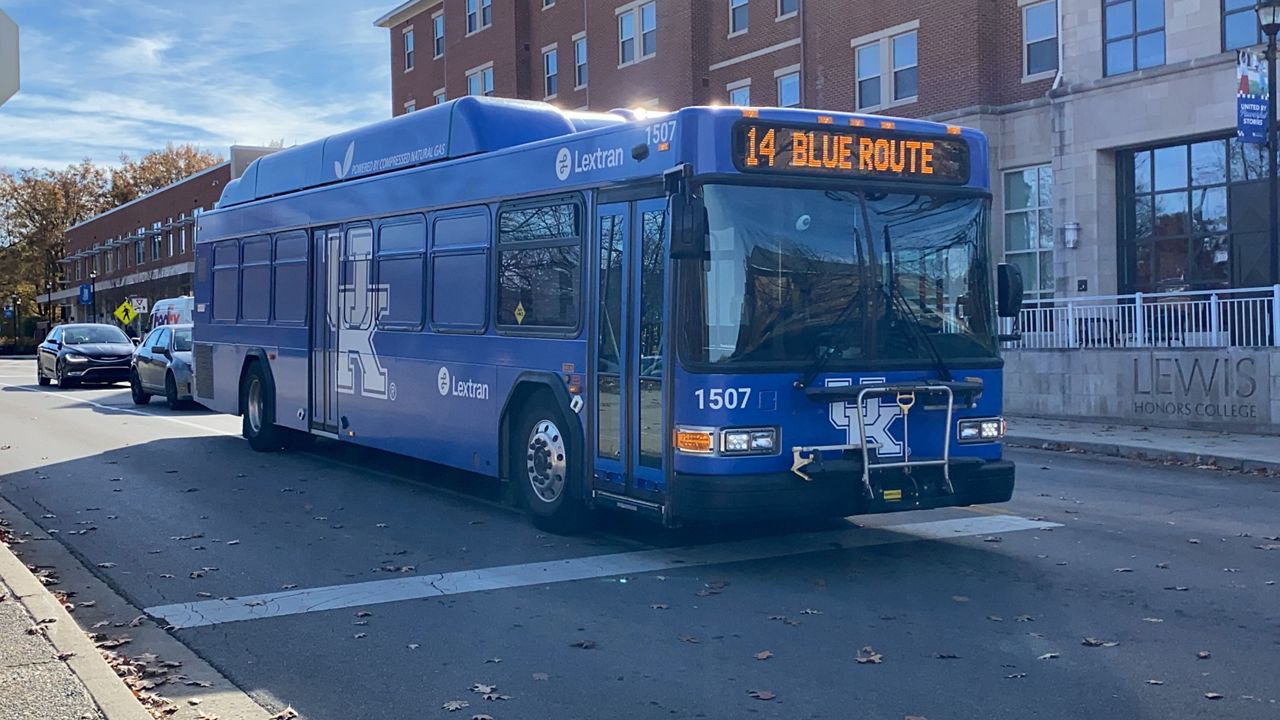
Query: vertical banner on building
x,y
1251,96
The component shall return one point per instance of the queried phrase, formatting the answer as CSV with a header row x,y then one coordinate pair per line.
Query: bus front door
x,y
630,352
325,252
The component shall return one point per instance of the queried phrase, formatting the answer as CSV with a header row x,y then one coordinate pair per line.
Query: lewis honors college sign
x,y
1201,386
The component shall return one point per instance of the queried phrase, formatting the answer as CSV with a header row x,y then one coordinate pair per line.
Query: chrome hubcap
x,y
546,461
254,406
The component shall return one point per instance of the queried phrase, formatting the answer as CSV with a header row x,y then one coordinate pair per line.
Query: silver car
x,y
162,364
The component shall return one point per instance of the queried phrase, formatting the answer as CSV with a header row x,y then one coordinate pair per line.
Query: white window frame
x,y
780,16
548,3
1035,293
1023,7
584,75
746,25
410,106
788,71
549,52
736,85
635,10
437,41
439,97
894,69
480,71
884,38
478,15
169,235
410,49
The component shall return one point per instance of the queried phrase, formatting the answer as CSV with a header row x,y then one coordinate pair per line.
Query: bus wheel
x,y
258,423
544,468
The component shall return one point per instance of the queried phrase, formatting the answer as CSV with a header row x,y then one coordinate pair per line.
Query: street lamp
x,y
1269,19
93,291
13,303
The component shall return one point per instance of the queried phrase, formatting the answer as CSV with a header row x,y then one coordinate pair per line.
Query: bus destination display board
x,y
853,152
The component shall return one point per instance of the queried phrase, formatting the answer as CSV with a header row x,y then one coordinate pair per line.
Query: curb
x,y
1136,452
105,688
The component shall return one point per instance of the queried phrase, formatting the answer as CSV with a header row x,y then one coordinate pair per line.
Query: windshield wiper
x,y
894,293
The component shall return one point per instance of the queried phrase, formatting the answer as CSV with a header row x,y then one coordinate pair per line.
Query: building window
x,y
547,3
867,59
140,252
788,88
887,68
1176,231
1240,27
408,50
479,15
1040,37
645,18
182,234
739,93
168,224
550,73
1028,228
439,96
737,16
480,81
437,34
97,266
580,62
157,241
410,106
1134,31
787,8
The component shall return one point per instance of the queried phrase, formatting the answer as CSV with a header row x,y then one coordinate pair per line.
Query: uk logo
x,y
878,416
355,310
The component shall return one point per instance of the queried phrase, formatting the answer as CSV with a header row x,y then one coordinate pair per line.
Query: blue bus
x,y
710,315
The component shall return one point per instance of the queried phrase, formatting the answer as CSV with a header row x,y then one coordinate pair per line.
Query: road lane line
x,y
375,592
117,408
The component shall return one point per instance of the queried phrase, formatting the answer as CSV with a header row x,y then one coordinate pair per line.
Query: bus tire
x,y
544,467
258,422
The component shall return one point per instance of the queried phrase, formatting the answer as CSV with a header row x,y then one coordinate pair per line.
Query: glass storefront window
x,y
1175,203
1028,228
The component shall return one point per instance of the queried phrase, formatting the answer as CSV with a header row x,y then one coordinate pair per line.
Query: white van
x,y
172,311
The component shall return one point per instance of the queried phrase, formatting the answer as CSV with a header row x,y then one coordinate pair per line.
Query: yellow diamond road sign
x,y
8,57
125,313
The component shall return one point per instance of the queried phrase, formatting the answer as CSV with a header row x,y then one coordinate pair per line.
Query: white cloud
x,y
125,76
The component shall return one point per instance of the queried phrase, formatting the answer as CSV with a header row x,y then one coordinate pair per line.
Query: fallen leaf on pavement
x,y
1049,656
960,598
493,660
97,625
65,655
869,656
541,677
1123,570
256,603
1204,655
810,611
1025,618
1177,588
106,565
1094,642
286,714
233,542
413,646
583,644
1153,681
946,656
360,636
689,639
761,694
1015,676
455,705
136,622
659,606
995,618
481,717
1193,541
483,689
496,696
1212,696
364,614
1162,565
290,586
993,539
764,655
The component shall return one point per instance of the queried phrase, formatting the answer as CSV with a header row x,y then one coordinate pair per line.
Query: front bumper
x,y
835,491
95,371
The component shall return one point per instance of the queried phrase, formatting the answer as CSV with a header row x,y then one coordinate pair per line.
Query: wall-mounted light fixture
x,y
1071,235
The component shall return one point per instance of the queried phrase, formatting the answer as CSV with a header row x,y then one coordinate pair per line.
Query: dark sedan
x,y
90,353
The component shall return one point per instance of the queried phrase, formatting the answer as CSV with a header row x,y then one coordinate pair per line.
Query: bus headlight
x,y
984,430
750,441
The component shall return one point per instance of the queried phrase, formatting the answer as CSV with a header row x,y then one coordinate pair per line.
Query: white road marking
x,y
117,408
375,592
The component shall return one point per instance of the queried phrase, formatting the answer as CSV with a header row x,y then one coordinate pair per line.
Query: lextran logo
x,y
877,416
443,381
564,163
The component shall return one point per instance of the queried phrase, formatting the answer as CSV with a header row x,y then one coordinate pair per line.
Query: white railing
x,y
1247,317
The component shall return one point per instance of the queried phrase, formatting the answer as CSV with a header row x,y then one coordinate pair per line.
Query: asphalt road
x,y
358,585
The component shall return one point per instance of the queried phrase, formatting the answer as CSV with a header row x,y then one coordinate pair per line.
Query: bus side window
x,y
290,278
226,280
402,250
539,267
460,271
255,279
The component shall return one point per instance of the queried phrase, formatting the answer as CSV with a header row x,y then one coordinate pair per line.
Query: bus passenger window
x,y
401,255
291,278
255,280
226,280
539,254
460,272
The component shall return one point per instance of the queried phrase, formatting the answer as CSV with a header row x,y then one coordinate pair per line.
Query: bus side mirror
x,y
688,226
1008,290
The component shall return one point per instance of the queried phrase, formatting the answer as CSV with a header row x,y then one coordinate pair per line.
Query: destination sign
x,y
850,152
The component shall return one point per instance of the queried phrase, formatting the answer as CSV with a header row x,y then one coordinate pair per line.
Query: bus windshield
x,y
850,276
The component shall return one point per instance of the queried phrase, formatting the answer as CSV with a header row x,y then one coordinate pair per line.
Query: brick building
x,y
1111,121
144,248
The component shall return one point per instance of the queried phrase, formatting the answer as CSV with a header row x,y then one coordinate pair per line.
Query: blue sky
x,y
102,77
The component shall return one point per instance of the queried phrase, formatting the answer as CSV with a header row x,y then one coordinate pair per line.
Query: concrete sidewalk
x,y
1228,451
49,669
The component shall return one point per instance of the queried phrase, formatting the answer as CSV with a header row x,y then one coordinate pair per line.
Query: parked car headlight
x,y
73,358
